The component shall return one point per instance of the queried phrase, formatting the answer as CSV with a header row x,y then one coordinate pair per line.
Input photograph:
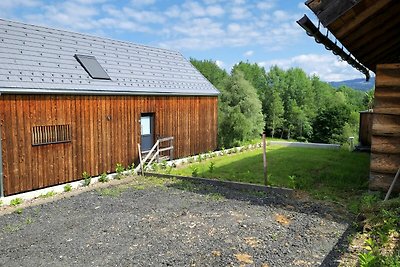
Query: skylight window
x,y
92,67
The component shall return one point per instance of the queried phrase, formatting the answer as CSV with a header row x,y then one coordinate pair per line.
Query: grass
x,y
48,194
336,175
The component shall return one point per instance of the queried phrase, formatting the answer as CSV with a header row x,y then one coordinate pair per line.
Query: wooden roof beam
x,y
360,18
328,11
370,30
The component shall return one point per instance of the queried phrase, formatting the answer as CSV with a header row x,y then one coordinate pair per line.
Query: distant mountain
x,y
358,84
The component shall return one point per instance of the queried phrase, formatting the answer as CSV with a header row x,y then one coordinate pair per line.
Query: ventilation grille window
x,y
51,134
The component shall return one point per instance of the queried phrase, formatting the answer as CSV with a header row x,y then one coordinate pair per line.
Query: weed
x,y
103,178
67,187
119,169
211,167
200,158
195,171
112,191
12,228
155,167
168,170
163,164
215,197
87,178
48,194
28,220
16,201
19,210
292,181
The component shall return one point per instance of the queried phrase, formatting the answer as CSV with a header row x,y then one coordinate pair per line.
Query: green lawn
x,y
336,175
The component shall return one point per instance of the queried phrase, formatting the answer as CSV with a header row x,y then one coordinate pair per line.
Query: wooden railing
x,y
163,149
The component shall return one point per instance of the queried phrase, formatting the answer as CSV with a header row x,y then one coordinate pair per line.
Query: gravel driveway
x,y
158,222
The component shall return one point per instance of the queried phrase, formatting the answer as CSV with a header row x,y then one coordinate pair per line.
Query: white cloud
x,y
19,3
327,67
249,53
142,2
265,5
239,13
220,64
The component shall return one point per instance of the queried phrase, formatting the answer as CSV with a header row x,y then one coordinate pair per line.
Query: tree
x,y
240,116
273,113
211,71
329,123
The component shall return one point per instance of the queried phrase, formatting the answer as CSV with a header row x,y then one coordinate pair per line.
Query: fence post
x,y
265,160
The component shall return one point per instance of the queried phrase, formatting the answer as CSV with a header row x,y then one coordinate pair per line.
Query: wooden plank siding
x,y
385,148
105,131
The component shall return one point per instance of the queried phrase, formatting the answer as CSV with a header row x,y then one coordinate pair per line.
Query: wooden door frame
x,y
152,125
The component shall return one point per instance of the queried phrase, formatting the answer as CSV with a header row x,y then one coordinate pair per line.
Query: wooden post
x,y
140,159
265,160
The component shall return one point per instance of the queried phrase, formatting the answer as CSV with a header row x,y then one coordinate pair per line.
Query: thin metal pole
x,y
265,159
392,185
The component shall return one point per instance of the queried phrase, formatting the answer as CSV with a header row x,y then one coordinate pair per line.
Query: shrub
x,y
103,178
195,171
119,169
16,201
211,167
87,178
67,188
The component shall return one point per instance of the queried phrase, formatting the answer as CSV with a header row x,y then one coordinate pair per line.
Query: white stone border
x,y
56,189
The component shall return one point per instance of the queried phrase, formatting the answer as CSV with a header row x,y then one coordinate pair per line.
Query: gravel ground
x,y
159,222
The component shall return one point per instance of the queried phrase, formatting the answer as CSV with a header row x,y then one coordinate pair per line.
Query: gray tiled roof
x,y
36,59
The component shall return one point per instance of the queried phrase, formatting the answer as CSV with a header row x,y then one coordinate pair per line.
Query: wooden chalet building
x,y
71,103
370,32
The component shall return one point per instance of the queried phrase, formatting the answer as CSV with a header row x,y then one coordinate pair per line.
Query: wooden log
x,y
386,144
386,125
387,75
385,163
382,182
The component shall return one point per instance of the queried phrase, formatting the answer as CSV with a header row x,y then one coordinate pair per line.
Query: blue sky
x,y
226,31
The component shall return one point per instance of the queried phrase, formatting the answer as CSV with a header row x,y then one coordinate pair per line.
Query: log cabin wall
x,y
104,131
385,150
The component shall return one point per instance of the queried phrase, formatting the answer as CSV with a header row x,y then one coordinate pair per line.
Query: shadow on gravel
x,y
331,259
276,198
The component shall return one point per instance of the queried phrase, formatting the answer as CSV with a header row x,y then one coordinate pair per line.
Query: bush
x,y
103,178
67,188
87,179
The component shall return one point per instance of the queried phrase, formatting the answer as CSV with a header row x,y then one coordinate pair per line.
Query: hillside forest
x,y
285,104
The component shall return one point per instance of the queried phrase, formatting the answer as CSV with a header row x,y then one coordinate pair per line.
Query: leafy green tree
x,y
329,123
211,71
274,113
240,116
368,99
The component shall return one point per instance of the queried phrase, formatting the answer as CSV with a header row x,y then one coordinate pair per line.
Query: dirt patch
x,y
157,222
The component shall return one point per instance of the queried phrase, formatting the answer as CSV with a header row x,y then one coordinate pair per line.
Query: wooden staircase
x,y
385,141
